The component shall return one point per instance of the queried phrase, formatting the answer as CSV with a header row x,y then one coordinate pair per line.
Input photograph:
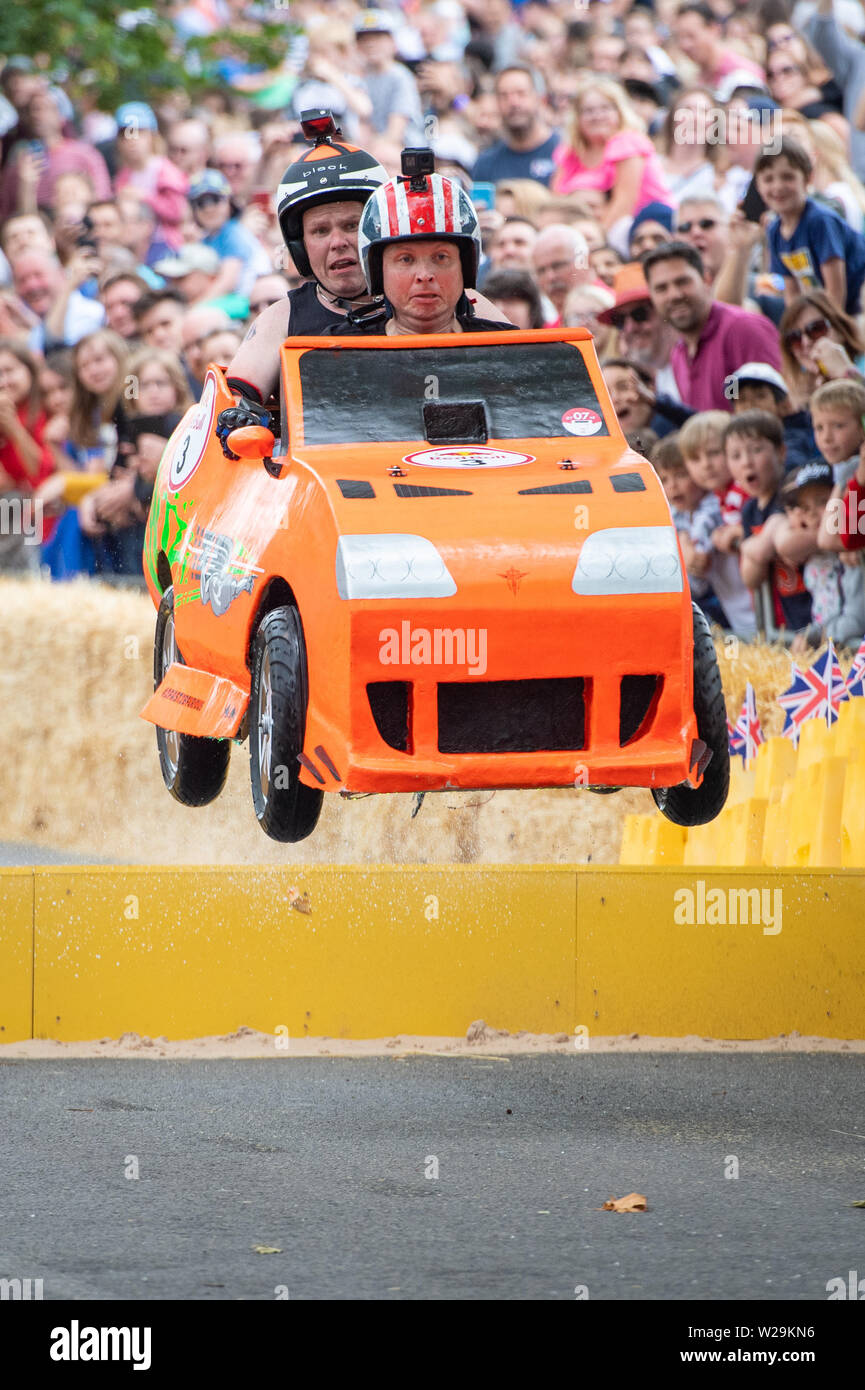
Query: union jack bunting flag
x,y
746,734
814,693
856,678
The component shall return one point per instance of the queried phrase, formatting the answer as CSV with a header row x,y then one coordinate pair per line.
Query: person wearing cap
x,y
757,386
652,226
836,588
319,205
241,255
644,338
149,173
396,115
194,272
30,174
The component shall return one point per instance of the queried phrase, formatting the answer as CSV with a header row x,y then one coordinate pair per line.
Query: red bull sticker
x,y
469,456
193,437
580,420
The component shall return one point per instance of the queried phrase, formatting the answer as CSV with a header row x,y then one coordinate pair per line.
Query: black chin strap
x,y
344,301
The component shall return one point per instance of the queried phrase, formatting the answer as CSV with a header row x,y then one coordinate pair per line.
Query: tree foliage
x,y
128,49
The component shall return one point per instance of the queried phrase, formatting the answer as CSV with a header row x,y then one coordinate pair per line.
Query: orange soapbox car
x,y
448,571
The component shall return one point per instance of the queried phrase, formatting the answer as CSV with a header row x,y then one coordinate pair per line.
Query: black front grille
x,y
628,482
578,485
638,699
389,702
512,716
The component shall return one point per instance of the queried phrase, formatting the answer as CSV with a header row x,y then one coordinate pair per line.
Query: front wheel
x,y
687,805
193,769
286,808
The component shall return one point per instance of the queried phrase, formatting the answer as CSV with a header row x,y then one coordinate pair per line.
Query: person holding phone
x,y
29,177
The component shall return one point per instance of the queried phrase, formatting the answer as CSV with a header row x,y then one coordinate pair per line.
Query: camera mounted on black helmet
x,y
318,126
416,164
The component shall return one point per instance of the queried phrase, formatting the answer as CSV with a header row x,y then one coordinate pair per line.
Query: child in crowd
x,y
155,411
696,514
837,410
755,451
757,386
836,587
701,442
809,245
56,383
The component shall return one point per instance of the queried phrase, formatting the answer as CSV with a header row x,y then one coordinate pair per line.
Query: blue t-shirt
x,y
235,240
821,235
501,162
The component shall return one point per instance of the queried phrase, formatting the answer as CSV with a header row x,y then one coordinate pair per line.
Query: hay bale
x,y
81,773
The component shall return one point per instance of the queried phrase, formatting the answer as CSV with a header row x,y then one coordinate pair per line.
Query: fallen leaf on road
x,y
267,1249
633,1202
857,1204
299,901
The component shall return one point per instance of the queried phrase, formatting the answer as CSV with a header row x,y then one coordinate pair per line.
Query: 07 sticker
x,y
580,420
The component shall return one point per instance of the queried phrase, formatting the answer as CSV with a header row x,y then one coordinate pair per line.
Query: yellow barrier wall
x,y
16,954
186,952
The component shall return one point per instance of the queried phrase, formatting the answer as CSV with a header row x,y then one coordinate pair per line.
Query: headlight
x,y
629,560
391,567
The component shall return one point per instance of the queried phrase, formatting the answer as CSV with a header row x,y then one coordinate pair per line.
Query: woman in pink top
x,y
607,148
159,182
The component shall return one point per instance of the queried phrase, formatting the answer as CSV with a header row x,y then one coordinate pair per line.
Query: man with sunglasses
x,y
644,339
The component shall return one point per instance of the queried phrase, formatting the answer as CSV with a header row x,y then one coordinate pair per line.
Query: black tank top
x,y
465,316
309,317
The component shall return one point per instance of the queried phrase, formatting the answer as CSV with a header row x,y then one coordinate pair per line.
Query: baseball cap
x,y
209,181
136,114
761,371
192,256
374,22
809,474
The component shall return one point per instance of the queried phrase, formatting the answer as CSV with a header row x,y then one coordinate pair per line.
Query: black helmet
x,y
331,172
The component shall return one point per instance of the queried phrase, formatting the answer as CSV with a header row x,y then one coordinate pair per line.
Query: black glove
x,y
237,417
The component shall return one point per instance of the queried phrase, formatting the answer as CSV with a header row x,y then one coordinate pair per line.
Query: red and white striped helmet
x,y
441,211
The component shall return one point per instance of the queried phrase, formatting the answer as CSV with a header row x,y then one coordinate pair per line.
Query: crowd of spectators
x,y
685,179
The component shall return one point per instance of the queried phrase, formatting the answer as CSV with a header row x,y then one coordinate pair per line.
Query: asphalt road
x,y
326,1160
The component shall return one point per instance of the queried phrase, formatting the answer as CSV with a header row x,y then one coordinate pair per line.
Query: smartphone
x,y
752,204
484,196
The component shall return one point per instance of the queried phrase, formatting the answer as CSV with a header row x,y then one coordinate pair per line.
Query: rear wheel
x,y
287,810
687,805
193,769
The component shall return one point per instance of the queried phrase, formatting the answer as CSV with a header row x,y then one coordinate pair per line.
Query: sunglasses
x,y
641,314
704,223
812,331
208,200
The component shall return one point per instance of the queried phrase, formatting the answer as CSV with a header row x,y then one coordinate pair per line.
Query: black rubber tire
x,y
290,811
198,775
686,805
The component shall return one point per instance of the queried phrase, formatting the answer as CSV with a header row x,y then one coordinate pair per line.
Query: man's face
x,y
837,433
193,286
25,233
648,235
605,53
423,281
187,146
267,290
107,225
518,102
237,162
37,281
118,300
696,38
680,297
330,238
703,225
512,248
43,117
160,327
556,269
638,327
